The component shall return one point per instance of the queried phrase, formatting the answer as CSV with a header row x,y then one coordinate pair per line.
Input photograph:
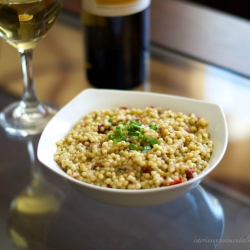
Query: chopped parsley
x,y
133,132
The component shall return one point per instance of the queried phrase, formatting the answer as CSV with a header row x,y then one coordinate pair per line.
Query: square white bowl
x,y
91,99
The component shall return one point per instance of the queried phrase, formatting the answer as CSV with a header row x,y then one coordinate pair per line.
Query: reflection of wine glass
x,y
32,209
22,24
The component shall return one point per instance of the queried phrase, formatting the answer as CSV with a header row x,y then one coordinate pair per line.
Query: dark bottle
x,y
116,39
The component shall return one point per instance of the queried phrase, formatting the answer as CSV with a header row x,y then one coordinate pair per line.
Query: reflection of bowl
x,y
91,99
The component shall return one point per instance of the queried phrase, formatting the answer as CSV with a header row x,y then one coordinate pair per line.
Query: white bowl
x,y
91,99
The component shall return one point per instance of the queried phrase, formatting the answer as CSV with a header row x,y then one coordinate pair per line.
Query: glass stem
x,y
29,97
36,172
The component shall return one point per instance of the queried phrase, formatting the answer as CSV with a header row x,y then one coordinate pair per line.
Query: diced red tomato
x,y
146,169
189,173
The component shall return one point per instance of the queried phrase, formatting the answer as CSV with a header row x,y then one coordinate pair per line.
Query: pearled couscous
x,y
131,148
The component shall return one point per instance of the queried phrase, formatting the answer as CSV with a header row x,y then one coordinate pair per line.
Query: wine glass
x,y
23,23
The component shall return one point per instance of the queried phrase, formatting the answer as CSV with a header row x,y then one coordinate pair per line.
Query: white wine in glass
x,y
23,23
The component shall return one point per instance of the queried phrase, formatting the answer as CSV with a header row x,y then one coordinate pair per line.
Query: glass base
x,y
22,120
30,214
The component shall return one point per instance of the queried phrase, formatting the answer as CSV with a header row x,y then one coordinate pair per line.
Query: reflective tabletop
x,y
39,210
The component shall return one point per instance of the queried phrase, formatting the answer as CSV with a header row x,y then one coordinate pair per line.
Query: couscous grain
x,y
135,148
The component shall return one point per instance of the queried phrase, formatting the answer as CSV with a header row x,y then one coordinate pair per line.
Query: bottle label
x,y
114,7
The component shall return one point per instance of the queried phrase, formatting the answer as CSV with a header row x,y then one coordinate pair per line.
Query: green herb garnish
x,y
153,141
133,147
110,121
118,131
120,139
146,148
134,132
153,126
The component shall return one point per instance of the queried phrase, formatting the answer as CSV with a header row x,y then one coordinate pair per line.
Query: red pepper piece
x,y
140,120
189,173
99,130
146,169
180,180
96,166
